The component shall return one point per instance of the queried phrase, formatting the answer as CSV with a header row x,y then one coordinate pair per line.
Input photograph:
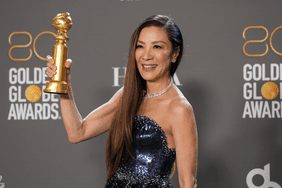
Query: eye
x,y
157,46
139,46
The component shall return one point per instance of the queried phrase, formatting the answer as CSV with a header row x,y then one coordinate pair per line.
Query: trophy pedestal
x,y
59,87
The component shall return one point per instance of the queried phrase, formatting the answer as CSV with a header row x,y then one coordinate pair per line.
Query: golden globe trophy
x,y
57,84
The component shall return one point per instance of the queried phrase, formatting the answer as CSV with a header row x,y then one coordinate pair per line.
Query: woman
x,y
149,120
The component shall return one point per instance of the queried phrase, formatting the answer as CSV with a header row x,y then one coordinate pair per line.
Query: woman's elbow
x,y
188,182
76,136
74,139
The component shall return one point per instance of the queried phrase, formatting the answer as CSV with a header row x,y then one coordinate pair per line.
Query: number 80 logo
x,y
26,45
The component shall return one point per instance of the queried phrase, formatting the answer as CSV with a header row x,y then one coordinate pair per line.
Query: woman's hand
x,y
51,70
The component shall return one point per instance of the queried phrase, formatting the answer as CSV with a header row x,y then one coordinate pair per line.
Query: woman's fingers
x,y
68,63
51,68
49,74
50,63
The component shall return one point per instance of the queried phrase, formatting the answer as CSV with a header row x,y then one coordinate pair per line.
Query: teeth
x,y
149,66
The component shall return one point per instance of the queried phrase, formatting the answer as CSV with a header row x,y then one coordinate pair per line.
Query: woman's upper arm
x,y
99,120
185,136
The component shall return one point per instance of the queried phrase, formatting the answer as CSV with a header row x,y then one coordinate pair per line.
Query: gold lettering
x,y
255,41
270,40
34,42
20,46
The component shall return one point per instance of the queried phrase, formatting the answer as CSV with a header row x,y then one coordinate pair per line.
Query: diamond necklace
x,y
157,94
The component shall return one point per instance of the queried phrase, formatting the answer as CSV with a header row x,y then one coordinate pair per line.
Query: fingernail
x,y
48,57
69,60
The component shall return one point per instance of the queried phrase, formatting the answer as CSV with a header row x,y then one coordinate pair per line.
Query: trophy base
x,y
60,87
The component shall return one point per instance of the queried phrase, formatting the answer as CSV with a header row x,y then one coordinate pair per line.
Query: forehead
x,y
153,33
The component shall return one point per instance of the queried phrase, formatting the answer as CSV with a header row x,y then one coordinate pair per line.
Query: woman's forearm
x,y
71,116
96,123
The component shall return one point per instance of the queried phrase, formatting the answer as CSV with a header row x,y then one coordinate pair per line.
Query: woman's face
x,y
154,54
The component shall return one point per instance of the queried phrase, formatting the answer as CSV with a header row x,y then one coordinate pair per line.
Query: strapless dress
x,y
152,160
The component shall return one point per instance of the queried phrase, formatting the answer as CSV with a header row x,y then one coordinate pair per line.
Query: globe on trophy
x,y
57,84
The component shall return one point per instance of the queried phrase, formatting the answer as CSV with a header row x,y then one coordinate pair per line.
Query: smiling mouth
x,y
149,66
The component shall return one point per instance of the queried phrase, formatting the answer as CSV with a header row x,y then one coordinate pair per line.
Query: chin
x,y
148,77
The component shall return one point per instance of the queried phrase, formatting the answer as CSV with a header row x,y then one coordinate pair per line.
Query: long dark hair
x,y
120,133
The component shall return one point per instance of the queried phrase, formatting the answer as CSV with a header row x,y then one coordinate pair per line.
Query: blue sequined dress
x,y
152,160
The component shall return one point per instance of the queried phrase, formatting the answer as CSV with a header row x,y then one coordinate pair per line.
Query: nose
x,y
147,55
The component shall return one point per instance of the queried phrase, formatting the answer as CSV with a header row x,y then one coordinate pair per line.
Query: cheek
x,y
137,56
165,56
167,52
138,61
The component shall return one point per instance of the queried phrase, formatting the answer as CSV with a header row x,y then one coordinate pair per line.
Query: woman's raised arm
x,y
96,123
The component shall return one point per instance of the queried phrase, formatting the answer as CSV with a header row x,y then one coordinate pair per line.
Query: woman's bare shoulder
x,y
181,118
179,100
116,97
180,106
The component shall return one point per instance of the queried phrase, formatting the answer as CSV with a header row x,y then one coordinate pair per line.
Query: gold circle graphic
x,y
33,93
269,90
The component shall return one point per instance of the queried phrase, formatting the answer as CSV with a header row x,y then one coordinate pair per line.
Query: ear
x,y
175,54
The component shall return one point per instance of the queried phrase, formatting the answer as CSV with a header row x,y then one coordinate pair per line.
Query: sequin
x,y
152,160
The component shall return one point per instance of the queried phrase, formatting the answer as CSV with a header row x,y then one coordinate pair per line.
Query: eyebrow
x,y
152,42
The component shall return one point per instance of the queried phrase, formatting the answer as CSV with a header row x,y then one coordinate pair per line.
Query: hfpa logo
x,y
265,173
2,185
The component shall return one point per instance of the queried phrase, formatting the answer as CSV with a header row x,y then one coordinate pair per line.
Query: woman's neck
x,y
157,86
